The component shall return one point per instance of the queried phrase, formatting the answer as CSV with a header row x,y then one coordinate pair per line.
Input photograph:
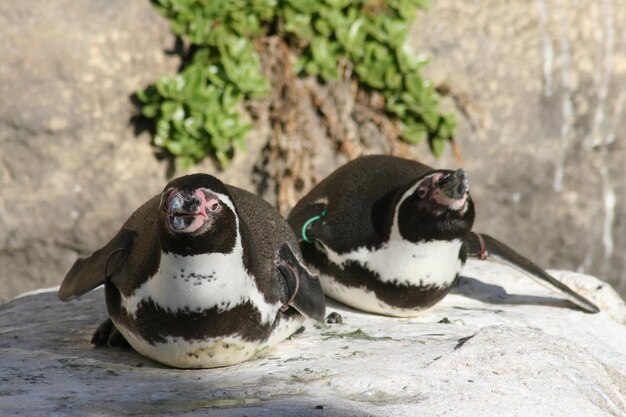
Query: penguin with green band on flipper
x,y
200,276
391,236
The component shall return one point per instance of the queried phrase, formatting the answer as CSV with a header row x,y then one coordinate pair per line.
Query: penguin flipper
x,y
91,272
303,290
486,247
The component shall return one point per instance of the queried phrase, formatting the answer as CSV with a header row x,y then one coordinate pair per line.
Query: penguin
x,y
390,236
202,275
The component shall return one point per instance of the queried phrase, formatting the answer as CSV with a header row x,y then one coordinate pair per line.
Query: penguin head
x,y
437,206
197,215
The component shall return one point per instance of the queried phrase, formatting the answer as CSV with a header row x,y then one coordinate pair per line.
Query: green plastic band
x,y
308,222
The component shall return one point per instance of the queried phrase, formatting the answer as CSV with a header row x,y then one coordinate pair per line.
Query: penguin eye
x,y
422,192
214,206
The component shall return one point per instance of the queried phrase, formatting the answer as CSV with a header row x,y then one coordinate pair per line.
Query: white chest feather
x,y
199,282
211,352
434,263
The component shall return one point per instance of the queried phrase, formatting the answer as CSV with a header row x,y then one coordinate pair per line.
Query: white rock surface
x,y
501,346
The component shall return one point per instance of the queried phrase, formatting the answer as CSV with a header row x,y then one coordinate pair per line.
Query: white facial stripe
x,y
407,263
226,200
395,231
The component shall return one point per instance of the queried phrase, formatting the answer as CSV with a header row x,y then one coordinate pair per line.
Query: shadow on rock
x,y
242,406
495,294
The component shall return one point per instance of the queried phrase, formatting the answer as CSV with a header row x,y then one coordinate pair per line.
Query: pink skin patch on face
x,y
453,204
198,222
439,197
201,216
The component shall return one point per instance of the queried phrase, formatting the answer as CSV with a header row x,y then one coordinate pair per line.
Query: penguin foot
x,y
333,318
107,335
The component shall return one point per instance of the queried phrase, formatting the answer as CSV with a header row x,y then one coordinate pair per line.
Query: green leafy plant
x,y
197,111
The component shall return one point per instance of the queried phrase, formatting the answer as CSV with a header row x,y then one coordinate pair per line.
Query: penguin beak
x,y
454,185
186,212
452,189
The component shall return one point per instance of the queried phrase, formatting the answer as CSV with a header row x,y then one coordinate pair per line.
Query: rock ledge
x,y
499,346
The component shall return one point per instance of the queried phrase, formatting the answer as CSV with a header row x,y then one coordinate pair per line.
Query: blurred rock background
x,y
539,88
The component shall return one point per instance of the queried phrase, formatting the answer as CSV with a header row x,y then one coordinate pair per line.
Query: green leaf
x,y
304,6
353,37
373,74
184,163
238,47
414,133
407,60
216,75
220,143
169,108
323,28
163,86
159,140
193,125
210,126
396,30
227,125
179,82
338,4
414,84
430,118
320,50
380,53
150,110
192,81
179,127
329,72
174,147
223,158
148,95
163,128
231,97
447,126
239,141
335,19
298,24
396,105
437,145
312,68
393,79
